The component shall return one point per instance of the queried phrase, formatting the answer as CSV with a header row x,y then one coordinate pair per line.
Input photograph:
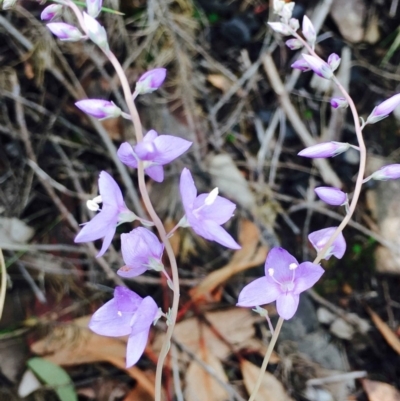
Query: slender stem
x,y
3,283
268,354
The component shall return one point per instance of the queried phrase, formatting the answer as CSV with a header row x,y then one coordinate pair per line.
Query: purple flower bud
x,y
320,238
384,109
318,66
331,196
294,44
279,27
301,65
93,7
390,172
339,103
334,61
96,32
294,24
309,30
150,81
50,12
325,149
99,108
65,32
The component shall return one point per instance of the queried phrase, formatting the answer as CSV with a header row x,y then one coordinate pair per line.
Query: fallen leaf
x,y
202,386
387,333
378,391
74,344
219,81
271,388
250,255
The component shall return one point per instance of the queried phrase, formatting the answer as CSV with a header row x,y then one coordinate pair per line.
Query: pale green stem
x,y
3,283
150,209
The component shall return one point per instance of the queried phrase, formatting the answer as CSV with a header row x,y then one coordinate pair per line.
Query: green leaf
x,y
55,377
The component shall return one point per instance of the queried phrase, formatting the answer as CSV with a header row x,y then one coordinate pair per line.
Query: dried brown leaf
x,y
248,256
219,81
387,333
201,385
378,391
271,388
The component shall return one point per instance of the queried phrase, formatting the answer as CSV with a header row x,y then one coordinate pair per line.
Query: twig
x,y
3,288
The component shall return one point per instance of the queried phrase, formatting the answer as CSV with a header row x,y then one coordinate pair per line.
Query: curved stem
x,y
3,283
268,354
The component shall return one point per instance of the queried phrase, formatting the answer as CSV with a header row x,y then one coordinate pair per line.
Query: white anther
x,y
293,266
271,272
210,199
119,313
93,204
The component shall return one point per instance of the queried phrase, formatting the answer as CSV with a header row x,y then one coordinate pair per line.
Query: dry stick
x,y
3,283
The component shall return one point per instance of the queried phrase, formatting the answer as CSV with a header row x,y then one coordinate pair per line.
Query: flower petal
x,y
126,155
107,241
150,136
306,275
212,231
155,172
188,190
279,260
109,190
169,147
144,316
126,299
220,211
135,347
286,305
259,292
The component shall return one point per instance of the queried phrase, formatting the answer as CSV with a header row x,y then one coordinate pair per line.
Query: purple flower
x,y
50,12
389,172
94,7
284,280
331,196
279,27
99,108
339,103
155,151
141,250
294,44
319,239
96,32
205,213
65,32
318,66
325,149
294,24
309,30
127,314
150,81
333,61
384,109
301,65
113,213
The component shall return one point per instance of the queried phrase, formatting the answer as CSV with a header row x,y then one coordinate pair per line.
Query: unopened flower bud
x,y
99,108
65,32
323,150
278,6
50,12
384,109
8,4
150,81
96,32
333,61
301,65
331,196
294,44
389,172
318,66
339,103
287,10
93,7
279,27
309,30
294,24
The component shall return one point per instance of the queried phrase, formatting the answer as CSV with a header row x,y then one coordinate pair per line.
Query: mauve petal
x,y
109,190
98,227
107,322
286,305
210,230
126,299
169,148
259,292
150,136
339,246
306,275
107,241
126,155
279,259
135,347
319,238
146,150
144,316
188,190
155,172
220,211
134,249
